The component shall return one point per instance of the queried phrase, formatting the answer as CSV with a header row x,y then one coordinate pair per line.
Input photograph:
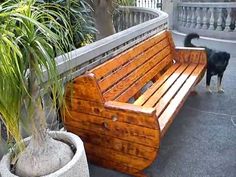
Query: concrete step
x,y
213,43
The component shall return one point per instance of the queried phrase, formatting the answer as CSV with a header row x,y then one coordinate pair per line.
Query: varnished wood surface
x,y
125,83
162,85
85,87
133,64
138,84
190,55
126,136
177,102
107,67
132,114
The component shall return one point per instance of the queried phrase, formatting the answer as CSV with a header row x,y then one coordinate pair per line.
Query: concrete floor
x,y
202,140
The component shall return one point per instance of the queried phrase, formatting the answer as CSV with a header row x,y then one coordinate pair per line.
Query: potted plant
x,y
31,35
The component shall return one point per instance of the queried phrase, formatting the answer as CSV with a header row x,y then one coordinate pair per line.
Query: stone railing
x,y
208,19
149,3
129,16
85,58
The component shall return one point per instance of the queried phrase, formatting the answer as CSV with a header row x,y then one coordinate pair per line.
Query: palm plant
x,y
31,35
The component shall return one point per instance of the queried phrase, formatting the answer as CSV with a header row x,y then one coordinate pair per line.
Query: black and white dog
x,y
217,62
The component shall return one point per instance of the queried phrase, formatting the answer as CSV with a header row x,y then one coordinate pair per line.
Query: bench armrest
x,y
127,107
190,55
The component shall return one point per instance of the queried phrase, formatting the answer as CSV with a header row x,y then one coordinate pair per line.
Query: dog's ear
x,y
227,56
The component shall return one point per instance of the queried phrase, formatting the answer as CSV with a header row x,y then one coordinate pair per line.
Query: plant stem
x,y
38,118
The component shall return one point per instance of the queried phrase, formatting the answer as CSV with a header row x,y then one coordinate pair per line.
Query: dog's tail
x,y
188,38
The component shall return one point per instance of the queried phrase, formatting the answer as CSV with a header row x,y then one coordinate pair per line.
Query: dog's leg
x,y
219,86
208,81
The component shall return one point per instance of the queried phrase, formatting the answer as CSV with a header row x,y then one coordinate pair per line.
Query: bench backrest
x,y
123,76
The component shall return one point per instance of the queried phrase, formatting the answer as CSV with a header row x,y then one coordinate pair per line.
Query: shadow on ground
x,y
202,140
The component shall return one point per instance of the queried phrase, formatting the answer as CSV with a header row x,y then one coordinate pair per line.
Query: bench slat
x,y
97,109
121,145
162,83
177,102
118,88
167,87
133,89
121,59
121,72
165,100
108,154
101,125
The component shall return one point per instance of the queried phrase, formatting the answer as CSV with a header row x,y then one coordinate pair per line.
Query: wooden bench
x,y
120,122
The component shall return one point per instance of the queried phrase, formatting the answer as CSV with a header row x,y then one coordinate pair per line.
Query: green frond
x,y
30,30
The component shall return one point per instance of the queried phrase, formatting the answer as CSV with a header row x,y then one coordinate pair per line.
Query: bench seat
x,y
122,108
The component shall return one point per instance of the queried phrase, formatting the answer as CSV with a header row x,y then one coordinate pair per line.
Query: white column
x,y
219,21
193,18
188,17
184,17
198,18
204,20
212,20
228,20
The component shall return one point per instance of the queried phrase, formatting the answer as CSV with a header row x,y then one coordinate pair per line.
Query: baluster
x,y
219,21
130,19
125,21
184,17
228,20
152,4
188,17
117,23
235,25
193,19
146,17
212,19
121,21
204,20
198,18
180,15
140,18
135,18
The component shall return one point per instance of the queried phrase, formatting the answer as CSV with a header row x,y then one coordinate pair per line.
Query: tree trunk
x,y
103,16
43,155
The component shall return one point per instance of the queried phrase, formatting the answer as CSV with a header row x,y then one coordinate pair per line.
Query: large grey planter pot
x,y
77,167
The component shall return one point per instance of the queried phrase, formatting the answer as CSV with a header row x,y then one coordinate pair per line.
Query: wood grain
x,y
125,131
118,88
135,115
85,87
177,102
124,70
163,84
137,85
121,59
190,55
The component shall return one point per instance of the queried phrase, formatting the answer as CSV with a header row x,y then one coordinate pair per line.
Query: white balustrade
x,y
208,19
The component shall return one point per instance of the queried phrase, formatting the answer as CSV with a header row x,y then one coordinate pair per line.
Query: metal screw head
x,y
114,118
